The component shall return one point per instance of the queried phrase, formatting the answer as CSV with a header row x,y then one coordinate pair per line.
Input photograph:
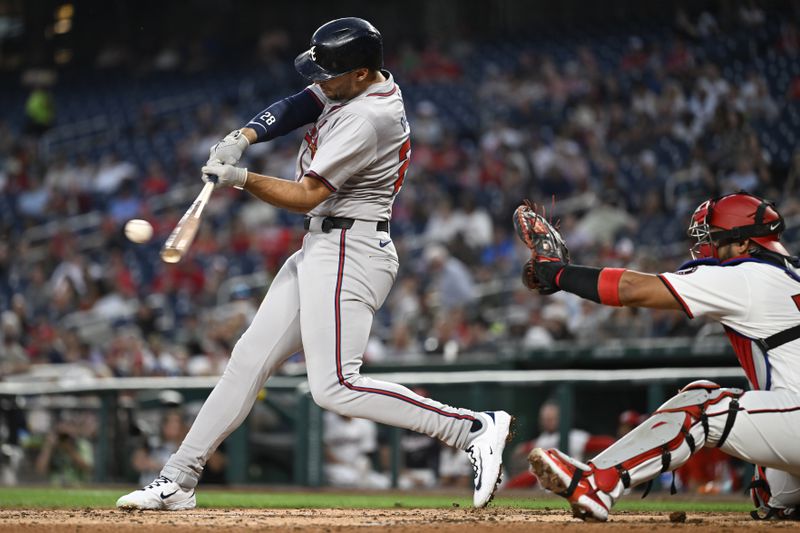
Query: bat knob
x,y
170,256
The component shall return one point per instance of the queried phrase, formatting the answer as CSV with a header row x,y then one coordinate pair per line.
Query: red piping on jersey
x,y
677,296
326,183
387,93
338,325
743,347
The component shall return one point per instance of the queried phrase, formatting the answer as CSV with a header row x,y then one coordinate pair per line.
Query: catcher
x,y
740,275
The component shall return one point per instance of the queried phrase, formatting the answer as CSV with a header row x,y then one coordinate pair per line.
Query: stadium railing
x,y
308,447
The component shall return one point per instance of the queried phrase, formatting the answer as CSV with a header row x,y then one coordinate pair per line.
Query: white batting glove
x,y
226,175
230,149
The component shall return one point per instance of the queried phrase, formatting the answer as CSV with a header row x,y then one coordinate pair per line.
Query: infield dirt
x,y
455,520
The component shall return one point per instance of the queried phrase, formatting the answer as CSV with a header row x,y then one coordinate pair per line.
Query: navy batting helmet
x,y
340,46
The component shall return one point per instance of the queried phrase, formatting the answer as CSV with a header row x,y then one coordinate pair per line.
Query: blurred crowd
x,y
620,145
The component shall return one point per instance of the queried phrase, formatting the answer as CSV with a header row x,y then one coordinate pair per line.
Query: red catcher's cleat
x,y
577,482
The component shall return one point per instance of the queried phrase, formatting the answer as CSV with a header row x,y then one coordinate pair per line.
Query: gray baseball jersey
x,y
360,150
324,298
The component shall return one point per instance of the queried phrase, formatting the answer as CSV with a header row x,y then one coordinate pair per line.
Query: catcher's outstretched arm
x,y
549,269
609,286
646,290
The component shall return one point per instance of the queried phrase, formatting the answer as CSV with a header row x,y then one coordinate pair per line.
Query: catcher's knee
x,y
708,404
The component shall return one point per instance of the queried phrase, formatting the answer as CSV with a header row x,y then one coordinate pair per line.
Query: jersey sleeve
x,y
349,147
317,93
286,115
715,291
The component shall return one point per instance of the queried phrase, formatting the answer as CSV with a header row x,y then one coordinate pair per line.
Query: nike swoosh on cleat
x,y
165,496
384,243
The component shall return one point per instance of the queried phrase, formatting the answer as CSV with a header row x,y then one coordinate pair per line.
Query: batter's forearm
x,y
291,195
250,134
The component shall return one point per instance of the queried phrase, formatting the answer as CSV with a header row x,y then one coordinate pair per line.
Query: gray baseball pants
x,y
322,301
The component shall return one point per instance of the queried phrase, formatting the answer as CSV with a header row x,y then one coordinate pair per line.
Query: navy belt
x,y
329,223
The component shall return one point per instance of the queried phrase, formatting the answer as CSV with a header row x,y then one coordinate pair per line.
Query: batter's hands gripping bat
x,y
182,236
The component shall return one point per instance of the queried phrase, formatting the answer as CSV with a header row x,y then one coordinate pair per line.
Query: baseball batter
x,y
741,276
351,165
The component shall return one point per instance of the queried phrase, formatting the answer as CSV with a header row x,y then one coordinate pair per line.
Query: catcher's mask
x,y
734,218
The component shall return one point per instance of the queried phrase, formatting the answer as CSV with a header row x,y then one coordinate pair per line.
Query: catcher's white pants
x,y
765,432
323,300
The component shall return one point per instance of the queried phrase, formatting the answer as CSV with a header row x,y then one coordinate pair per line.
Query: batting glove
x,y
226,175
230,149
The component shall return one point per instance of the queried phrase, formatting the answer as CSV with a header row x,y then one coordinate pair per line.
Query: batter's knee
x,y
332,395
323,392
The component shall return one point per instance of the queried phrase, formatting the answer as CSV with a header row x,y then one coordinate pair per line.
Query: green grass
x,y
54,498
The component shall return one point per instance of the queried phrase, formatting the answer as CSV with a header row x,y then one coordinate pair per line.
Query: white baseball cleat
x,y
162,494
486,454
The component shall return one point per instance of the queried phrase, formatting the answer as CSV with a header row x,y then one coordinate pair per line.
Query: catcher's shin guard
x,y
701,414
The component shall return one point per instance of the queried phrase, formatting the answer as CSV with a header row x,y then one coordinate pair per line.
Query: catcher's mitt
x,y
548,250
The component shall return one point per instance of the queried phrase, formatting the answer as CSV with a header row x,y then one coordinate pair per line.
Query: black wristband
x,y
580,280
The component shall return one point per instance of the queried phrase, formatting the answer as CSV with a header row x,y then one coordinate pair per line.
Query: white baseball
x,y
138,230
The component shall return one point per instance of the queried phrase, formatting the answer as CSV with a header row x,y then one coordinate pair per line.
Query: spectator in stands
x,y
549,433
111,173
628,420
150,458
709,471
13,358
40,110
349,447
454,468
155,181
419,457
451,284
66,456
522,123
742,178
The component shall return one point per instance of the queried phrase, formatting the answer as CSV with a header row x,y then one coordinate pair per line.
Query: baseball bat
x,y
181,238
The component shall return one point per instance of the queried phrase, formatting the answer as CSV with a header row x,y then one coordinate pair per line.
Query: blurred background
x,y
620,117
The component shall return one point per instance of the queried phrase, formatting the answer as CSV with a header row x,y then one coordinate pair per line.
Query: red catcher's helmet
x,y
733,218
